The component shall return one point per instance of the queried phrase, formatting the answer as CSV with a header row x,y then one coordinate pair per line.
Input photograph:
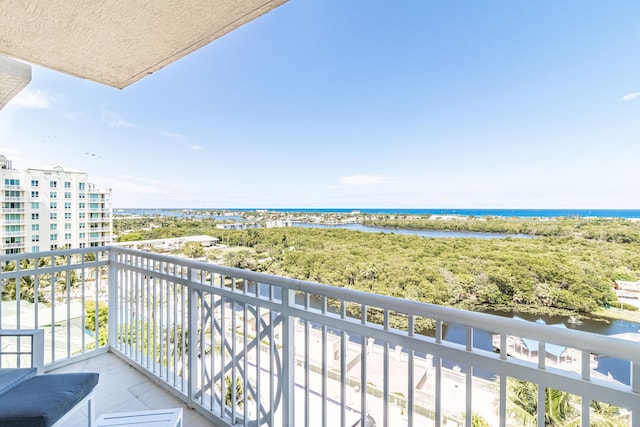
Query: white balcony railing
x,y
11,221
12,245
103,218
245,348
14,233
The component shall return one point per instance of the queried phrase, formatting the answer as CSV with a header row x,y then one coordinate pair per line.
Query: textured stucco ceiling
x,y
14,76
117,42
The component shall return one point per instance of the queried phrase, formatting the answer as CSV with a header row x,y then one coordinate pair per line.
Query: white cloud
x,y
197,147
631,96
357,180
115,120
32,99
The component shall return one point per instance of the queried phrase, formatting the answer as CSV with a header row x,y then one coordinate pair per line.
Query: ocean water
x,y
524,213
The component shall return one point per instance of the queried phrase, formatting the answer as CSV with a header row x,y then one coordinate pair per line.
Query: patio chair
x,y
29,398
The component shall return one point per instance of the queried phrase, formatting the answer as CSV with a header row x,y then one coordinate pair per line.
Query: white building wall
x,y
46,209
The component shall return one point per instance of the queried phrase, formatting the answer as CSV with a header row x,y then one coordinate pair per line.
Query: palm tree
x,y
239,390
561,407
27,282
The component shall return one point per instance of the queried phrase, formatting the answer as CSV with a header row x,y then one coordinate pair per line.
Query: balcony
x,y
12,210
103,218
11,187
100,210
13,245
14,233
12,221
244,348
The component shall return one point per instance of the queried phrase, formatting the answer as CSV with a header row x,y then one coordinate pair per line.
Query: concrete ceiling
x,y
14,76
117,42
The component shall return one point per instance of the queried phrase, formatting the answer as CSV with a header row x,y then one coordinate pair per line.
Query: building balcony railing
x,y
13,199
12,245
11,210
11,221
13,233
11,187
103,218
245,348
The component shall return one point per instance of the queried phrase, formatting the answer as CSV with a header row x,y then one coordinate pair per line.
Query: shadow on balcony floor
x,y
123,389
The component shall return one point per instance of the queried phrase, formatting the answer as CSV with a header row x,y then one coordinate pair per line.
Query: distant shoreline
x,y
521,213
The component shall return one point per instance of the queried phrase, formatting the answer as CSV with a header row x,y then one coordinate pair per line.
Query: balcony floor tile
x,y
123,389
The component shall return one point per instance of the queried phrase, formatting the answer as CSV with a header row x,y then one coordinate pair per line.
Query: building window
x,y
67,205
35,248
34,183
35,238
54,247
53,195
82,235
83,245
35,205
53,226
35,194
53,215
81,216
67,195
10,181
67,226
67,215
81,225
53,184
81,205
53,237
80,195
35,216
67,236
81,186
35,227
67,184
53,205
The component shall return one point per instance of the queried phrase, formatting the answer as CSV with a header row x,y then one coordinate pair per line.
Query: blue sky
x,y
357,104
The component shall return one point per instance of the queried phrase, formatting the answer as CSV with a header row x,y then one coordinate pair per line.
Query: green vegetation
x,y
90,321
27,284
571,270
605,229
193,250
561,408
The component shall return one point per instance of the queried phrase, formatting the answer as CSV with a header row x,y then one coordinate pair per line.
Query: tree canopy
x,y
570,270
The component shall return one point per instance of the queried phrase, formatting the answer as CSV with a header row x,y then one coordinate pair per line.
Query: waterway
x,y
618,369
422,233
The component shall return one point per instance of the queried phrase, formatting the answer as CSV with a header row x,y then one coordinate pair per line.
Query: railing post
x,y
288,359
192,342
112,302
37,350
635,387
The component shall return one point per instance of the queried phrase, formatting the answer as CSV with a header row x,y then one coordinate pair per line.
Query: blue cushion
x,y
11,377
42,400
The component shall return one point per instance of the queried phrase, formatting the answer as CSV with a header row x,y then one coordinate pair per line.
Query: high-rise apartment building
x,y
49,209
